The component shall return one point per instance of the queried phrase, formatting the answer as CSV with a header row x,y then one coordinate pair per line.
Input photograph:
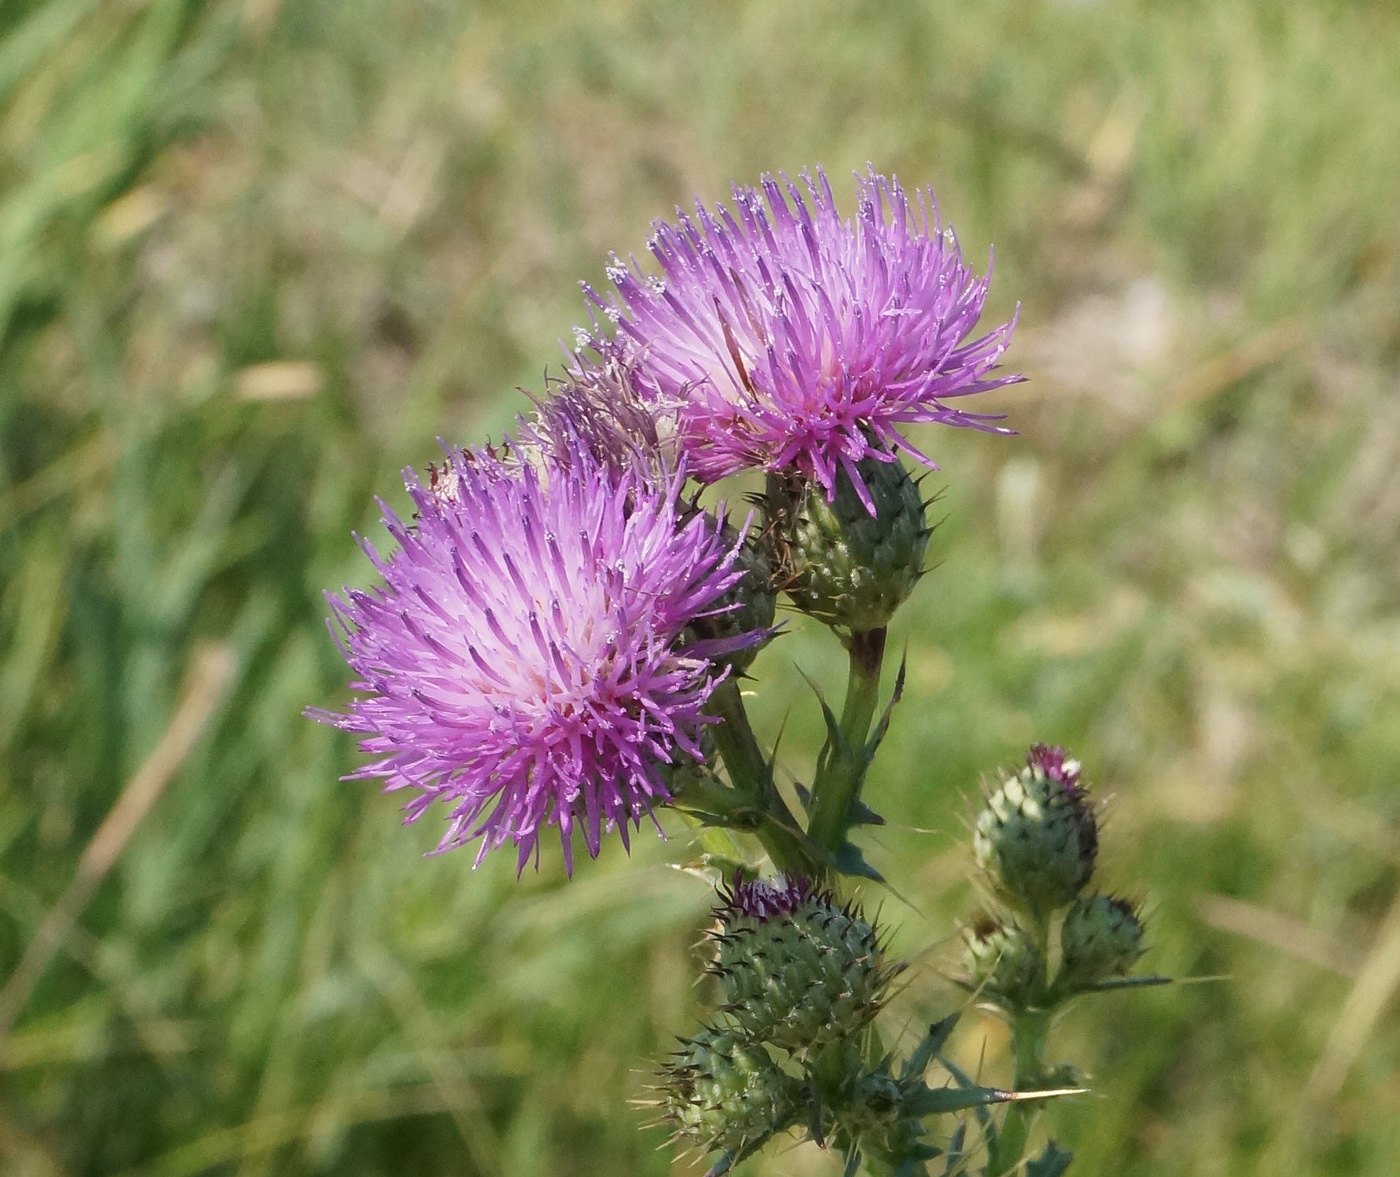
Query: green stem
x,y
842,771
1028,1044
749,772
1029,1029
748,768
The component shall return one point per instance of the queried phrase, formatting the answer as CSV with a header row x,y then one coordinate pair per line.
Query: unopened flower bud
x,y
871,1112
797,968
1101,938
720,1092
1037,837
748,607
1003,963
839,562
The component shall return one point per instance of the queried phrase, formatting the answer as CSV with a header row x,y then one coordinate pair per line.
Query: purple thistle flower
x,y
598,410
521,660
789,337
1057,764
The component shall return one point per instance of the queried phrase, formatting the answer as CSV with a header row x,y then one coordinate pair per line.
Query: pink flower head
x,y
784,336
521,661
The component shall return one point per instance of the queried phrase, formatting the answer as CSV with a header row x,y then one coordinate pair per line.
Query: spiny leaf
x,y
984,1119
884,725
836,743
923,1055
932,1101
850,861
1128,983
956,1156
860,814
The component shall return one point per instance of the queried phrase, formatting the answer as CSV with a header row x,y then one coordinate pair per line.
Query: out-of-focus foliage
x,y
255,257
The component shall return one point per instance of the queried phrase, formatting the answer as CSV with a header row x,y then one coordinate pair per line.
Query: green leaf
x,y
850,861
933,1101
923,1055
860,814
1128,983
883,726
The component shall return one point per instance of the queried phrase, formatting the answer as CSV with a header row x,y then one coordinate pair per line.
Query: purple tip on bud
x,y
1057,764
763,899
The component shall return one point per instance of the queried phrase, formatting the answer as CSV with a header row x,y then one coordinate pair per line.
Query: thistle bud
x,y
684,773
839,562
1101,938
870,1112
721,1092
748,607
1003,962
1037,837
797,969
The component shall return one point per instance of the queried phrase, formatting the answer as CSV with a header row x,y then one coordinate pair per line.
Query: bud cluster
x,y
1036,840
799,973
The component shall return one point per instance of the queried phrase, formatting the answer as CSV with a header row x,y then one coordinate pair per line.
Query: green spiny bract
x,y
684,773
797,969
872,1117
1037,838
749,606
1003,963
1101,938
866,1111
721,1092
839,563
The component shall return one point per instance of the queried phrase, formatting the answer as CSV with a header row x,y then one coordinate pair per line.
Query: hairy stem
x,y
749,772
842,771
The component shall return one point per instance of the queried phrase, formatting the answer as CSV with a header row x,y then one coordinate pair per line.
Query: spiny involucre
x,y
797,968
838,562
522,660
720,1091
1037,837
788,337
1102,937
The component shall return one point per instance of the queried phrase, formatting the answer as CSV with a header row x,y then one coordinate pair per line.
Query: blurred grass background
x,y
255,257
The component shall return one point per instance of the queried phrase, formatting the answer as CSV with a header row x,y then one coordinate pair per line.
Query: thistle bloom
x,y
787,337
521,660
598,409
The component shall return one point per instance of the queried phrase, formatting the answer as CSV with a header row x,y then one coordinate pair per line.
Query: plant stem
x,y
1028,1043
749,772
1028,1032
842,771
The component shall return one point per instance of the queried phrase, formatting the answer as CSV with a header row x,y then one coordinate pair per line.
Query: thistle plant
x,y
561,628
